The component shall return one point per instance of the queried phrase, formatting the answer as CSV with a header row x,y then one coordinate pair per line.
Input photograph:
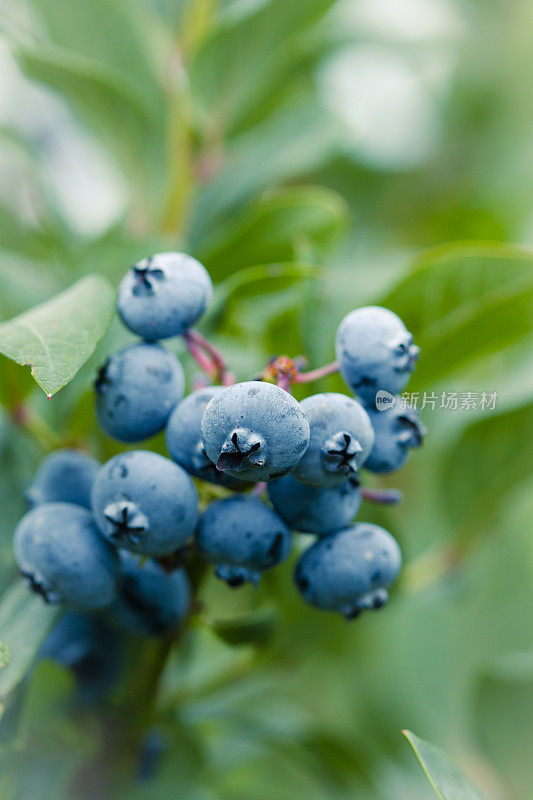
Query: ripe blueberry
x,y
350,570
84,644
184,439
375,351
136,390
310,509
145,503
396,431
163,295
341,438
63,557
254,431
64,476
151,601
243,537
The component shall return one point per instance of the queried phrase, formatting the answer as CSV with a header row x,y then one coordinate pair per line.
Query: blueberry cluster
x,y
116,536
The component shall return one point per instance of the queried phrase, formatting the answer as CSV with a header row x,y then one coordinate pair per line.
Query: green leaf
x,y
446,780
275,228
255,627
5,655
462,302
24,623
503,703
241,59
57,337
283,147
484,465
126,120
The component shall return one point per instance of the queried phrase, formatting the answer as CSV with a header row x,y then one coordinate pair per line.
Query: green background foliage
x,y
239,131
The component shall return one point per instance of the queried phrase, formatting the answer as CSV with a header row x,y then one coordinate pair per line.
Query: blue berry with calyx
x,y
87,647
396,431
64,476
151,602
184,439
145,503
350,570
136,391
310,509
243,537
341,438
63,558
255,431
164,295
375,352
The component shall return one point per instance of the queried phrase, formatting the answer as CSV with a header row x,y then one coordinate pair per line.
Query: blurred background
x,y
315,156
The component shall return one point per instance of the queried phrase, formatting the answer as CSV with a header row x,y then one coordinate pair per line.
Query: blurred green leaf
x,y
244,56
479,471
503,707
283,147
446,780
125,119
24,623
463,301
5,655
256,627
275,228
57,337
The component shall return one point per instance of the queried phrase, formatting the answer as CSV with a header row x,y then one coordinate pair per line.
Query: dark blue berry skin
x,y
310,509
184,439
375,351
350,570
164,295
61,554
151,602
242,536
83,644
145,503
136,391
341,438
64,476
396,430
255,431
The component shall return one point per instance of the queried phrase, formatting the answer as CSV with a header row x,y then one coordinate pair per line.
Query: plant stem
x,y
208,357
384,496
316,374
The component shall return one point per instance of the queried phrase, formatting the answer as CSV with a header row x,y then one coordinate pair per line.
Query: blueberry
x,y
151,601
243,537
255,431
184,439
341,438
63,557
375,351
144,502
310,509
396,431
350,570
83,644
136,390
163,295
64,476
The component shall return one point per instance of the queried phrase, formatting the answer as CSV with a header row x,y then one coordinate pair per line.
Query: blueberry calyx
x,y
412,430
126,520
146,276
242,447
38,586
339,453
235,575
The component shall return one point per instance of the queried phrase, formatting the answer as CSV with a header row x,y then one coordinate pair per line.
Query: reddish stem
x,y
259,488
208,357
205,363
284,381
207,347
386,496
316,374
